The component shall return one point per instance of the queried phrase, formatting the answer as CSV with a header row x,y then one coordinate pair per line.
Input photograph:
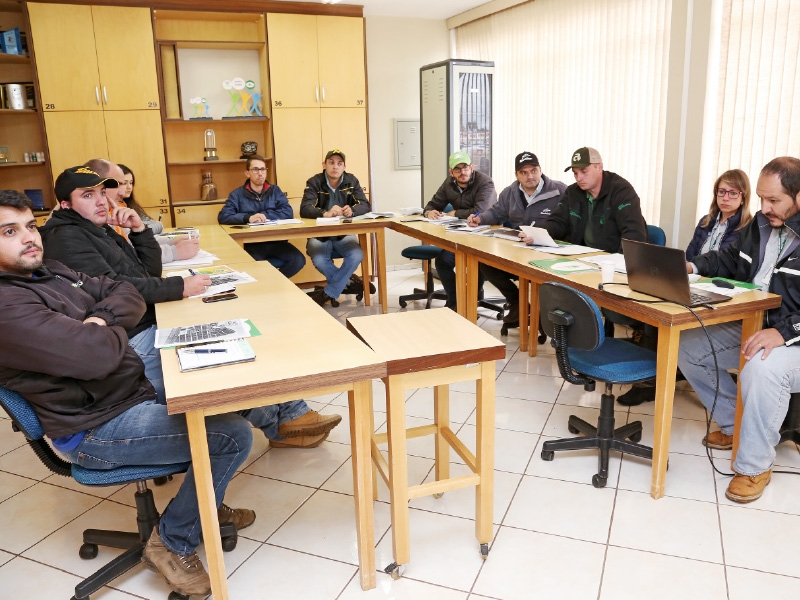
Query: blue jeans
x,y
446,269
321,251
766,387
282,255
146,435
143,343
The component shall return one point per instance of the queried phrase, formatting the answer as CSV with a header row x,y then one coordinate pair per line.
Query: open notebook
x,y
204,356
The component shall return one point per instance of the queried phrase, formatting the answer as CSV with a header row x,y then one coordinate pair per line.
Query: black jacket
x,y
617,214
75,375
478,196
101,251
513,208
741,261
317,194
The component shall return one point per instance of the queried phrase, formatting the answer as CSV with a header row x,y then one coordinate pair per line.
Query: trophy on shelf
x,y
208,191
210,145
254,98
199,104
249,149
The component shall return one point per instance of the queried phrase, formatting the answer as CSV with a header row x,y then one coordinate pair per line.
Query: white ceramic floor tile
x,y
24,462
628,572
528,387
13,484
24,578
686,435
528,416
305,466
524,565
753,540
461,503
559,418
674,526
325,526
420,404
444,550
278,573
5,557
787,455
513,449
688,476
9,439
685,405
779,496
37,512
534,365
572,465
400,589
573,510
342,480
744,584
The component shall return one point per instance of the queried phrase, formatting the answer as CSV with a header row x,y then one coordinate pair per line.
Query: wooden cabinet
x,y
109,66
194,215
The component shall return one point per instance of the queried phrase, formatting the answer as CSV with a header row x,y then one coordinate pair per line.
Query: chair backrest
x,y
656,235
22,414
556,301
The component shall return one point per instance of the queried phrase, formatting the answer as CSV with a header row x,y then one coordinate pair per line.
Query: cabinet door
x,y
293,68
197,214
74,137
298,148
341,61
135,140
125,57
66,60
346,129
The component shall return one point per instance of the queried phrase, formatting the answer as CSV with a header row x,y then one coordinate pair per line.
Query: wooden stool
x,y
433,348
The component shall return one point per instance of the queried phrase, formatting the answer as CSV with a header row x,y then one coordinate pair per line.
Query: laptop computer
x,y
661,272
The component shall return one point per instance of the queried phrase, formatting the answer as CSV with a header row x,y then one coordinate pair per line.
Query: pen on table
x,y
192,272
206,350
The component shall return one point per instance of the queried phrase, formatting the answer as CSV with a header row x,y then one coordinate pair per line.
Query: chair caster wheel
x,y
499,317
572,429
542,338
177,596
504,330
229,543
359,296
403,304
394,570
484,551
438,495
547,455
635,437
599,482
88,551
162,480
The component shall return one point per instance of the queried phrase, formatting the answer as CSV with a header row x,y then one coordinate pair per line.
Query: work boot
x,y
356,286
321,297
311,423
718,441
303,441
513,314
184,574
746,488
644,391
240,517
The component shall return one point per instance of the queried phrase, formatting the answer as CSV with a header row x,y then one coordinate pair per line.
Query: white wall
x,y
396,49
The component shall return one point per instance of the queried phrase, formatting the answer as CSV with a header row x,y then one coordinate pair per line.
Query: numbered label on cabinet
x,y
163,201
152,105
359,103
278,103
181,211
49,106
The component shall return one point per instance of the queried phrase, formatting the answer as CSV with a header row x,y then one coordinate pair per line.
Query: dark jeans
x,y
281,255
446,268
503,281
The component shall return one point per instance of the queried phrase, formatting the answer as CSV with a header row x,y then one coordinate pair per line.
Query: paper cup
x,y
607,271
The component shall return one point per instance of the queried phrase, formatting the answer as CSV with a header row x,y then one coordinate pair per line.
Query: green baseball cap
x,y
335,153
459,157
583,157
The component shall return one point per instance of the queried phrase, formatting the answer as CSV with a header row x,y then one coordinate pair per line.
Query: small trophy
x,y
249,149
208,191
210,145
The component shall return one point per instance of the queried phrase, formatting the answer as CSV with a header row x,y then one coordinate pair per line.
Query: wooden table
x,y
669,319
302,351
309,228
419,354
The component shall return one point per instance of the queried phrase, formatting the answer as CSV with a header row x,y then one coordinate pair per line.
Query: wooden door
x,y
125,58
135,140
74,138
293,68
298,148
341,61
346,129
66,60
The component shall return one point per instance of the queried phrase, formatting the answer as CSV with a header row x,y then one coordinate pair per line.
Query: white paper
x,y
568,250
540,236
710,287
206,332
477,230
617,259
412,210
327,220
201,259
276,222
374,215
236,351
443,220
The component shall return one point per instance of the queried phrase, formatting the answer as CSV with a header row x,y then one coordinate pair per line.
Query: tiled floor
x,y
556,535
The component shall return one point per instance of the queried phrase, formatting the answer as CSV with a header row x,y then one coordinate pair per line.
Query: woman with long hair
x,y
130,200
728,214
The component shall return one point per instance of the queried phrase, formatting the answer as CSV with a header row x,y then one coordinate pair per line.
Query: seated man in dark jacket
x,y
79,235
335,193
65,349
531,198
257,202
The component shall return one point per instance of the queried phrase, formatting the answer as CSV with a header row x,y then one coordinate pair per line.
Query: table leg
x,y
668,342
398,468
484,452
461,284
751,323
361,441
524,317
363,240
207,503
533,324
472,289
380,254
441,418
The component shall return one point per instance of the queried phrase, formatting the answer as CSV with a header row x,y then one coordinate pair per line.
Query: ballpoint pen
x,y
205,350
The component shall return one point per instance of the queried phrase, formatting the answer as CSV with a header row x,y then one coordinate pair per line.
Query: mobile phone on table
x,y
220,297
347,220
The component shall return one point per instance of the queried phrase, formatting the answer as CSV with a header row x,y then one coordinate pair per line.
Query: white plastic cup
x,y
607,271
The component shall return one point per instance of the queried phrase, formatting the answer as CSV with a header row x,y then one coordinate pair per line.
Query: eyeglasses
x,y
258,170
732,194
463,169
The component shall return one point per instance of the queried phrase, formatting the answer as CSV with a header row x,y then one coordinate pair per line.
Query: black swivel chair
x,y
585,355
24,419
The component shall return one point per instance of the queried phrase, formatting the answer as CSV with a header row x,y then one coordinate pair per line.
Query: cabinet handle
x,y
97,94
323,93
316,92
105,95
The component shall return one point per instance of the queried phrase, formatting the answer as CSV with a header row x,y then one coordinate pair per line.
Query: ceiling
x,y
419,9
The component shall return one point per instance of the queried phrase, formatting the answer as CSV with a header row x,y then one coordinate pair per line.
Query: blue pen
x,y
192,272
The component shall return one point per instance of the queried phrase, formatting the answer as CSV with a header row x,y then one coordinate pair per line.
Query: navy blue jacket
x,y
243,203
701,235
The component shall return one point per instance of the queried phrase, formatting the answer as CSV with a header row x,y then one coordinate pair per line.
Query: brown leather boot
x,y
184,574
311,423
746,488
304,441
718,441
240,517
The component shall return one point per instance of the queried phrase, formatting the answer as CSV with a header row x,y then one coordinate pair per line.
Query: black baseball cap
x,y
524,159
583,157
76,178
335,153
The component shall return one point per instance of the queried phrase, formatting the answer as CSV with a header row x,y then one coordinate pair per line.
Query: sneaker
x,y
718,441
746,488
303,441
320,297
184,574
240,517
311,423
639,393
356,286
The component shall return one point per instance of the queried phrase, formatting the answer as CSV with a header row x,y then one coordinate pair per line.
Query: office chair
x,y
790,430
426,254
24,419
656,235
585,355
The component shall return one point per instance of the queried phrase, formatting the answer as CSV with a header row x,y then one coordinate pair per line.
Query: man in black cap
x,y
531,198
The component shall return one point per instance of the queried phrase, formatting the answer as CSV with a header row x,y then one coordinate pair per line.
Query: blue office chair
x,y
656,235
24,419
585,355
426,254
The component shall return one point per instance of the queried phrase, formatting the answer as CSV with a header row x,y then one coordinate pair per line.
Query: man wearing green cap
x,y
468,192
